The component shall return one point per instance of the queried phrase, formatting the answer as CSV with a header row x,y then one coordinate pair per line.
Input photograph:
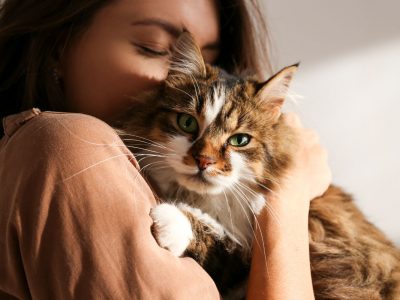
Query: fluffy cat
x,y
214,144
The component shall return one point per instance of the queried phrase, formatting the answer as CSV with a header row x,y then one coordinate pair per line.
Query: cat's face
x,y
211,131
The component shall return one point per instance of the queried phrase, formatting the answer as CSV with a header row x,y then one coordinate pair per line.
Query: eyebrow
x,y
165,25
172,29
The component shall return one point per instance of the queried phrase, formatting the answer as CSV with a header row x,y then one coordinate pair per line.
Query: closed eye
x,y
150,51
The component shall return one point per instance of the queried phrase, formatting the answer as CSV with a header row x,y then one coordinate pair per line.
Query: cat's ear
x,y
186,60
273,92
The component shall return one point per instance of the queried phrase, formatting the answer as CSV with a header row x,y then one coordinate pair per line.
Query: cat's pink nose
x,y
204,161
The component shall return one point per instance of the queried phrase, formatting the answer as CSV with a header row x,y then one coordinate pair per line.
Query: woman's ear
x,y
186,60
272,93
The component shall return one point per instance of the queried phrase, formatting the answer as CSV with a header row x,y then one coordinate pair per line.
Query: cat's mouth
x,y
198,182
200,176
200,179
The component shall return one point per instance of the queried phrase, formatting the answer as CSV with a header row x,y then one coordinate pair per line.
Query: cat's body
x,y
214,144
350,257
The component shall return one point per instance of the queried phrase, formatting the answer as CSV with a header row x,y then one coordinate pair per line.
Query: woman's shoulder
x,y
34,126
59,137
51,124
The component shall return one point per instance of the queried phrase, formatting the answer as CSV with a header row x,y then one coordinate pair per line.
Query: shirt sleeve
x,y
80,214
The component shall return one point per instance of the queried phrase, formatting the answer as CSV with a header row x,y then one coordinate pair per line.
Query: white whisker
x,y
140,142
229,210
150,164
244,210
270,209
143,138
254,229
145,149
94,165
190,96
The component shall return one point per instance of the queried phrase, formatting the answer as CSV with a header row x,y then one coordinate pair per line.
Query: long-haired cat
x,y
213,144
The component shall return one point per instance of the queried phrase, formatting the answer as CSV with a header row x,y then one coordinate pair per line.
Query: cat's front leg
x,y
187,231
171,228
183,229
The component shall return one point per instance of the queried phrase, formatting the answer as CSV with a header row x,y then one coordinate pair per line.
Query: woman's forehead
x,y
200,17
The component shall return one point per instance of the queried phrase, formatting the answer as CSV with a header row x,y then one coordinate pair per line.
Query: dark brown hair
x,y
33,33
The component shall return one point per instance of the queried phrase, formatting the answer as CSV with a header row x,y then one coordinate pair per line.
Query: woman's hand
x,y
280,267
310,173
308,176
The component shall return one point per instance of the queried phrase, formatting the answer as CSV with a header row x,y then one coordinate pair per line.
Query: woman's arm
x,y
280,268
78,224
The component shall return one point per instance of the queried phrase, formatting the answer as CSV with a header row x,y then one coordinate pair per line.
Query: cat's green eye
x,y
239,140
187,123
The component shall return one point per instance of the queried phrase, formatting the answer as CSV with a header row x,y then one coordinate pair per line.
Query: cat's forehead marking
x,y
213,104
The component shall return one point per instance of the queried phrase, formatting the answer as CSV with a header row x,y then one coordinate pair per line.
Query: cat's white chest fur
x,y
235,210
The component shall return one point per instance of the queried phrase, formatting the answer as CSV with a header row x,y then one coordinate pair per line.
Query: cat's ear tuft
x,y
186,60
273,92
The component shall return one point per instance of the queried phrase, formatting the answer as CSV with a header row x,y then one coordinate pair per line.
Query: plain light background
x,y
349,80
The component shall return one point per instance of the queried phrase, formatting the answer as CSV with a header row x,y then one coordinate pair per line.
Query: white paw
x,y
172,229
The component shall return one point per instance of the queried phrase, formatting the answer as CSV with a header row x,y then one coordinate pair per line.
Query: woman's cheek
x,y
154,70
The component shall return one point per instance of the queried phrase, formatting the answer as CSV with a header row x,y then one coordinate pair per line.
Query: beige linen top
x,y
74,217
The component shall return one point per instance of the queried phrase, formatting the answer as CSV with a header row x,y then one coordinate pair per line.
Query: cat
x,y
214,144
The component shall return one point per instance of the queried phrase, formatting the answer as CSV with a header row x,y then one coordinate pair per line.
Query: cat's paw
x,y
171,228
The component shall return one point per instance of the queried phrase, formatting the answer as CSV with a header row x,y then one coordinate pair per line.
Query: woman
x,y
74,211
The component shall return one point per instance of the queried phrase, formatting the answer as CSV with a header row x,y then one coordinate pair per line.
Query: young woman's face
x,y
125,50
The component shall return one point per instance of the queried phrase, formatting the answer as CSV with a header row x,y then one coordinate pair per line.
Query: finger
x,y
292,119
311,136
324,154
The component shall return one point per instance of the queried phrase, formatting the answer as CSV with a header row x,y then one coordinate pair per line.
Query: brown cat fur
x,y
350,258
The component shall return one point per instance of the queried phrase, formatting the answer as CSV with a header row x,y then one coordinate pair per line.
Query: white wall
x,y
349,80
